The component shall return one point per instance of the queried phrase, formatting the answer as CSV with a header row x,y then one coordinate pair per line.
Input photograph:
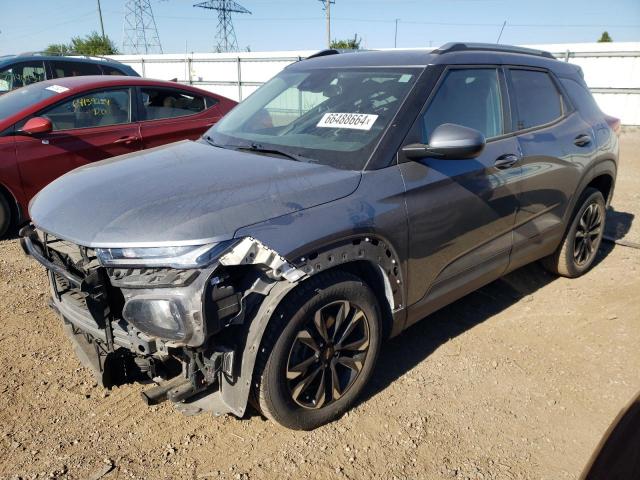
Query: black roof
x,y
449,54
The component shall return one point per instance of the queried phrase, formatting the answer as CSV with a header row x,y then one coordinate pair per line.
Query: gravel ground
x,y
518,380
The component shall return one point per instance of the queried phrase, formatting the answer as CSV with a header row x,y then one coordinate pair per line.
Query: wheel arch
x,y
602,176
14,205
368,257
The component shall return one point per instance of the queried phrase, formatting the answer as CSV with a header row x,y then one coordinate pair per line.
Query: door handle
x,y
126,140
582,140
506,161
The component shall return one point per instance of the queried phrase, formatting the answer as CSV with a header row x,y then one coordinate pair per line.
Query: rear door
x,y
171,114
461,211
553,139
89,127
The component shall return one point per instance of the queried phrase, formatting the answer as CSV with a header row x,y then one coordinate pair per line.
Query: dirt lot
x,y
518,380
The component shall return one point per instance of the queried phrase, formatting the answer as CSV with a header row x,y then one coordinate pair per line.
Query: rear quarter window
x,y
582,99
537,99
109,70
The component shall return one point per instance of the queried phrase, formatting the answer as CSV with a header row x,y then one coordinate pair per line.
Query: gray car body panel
x,y
450,226
189,193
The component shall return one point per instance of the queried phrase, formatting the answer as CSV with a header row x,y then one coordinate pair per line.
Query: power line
x,y
226,34
139,28
412,22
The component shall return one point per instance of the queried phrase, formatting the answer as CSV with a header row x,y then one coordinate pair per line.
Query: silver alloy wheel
x,y
588,232
327,354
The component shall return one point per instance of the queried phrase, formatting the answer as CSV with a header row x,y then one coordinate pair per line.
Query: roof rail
x,y
489,47
324,53
68,54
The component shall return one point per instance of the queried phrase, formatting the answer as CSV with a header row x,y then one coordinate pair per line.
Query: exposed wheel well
x,y
603,183
373,277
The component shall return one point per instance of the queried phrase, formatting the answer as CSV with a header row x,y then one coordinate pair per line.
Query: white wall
x,y
612,71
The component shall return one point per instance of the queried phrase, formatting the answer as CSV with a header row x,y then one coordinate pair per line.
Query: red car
x,y
52,127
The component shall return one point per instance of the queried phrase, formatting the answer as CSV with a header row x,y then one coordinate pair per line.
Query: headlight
x,y
188,256
160,317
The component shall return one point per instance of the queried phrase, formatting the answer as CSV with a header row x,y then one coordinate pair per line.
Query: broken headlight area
x,y
173,315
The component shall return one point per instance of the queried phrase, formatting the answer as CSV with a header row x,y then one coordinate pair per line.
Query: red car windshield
x,y
17,100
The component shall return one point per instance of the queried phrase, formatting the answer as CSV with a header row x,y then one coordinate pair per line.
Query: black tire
x,y
290,336
581,241
5,216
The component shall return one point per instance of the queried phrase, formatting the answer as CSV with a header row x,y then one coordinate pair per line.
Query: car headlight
x,y
159,317
186,256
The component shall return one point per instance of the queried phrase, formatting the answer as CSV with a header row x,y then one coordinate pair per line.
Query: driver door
x,y
461,211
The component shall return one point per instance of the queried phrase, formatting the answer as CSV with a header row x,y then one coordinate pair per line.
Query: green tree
x,y
349,44
92,44
57,49
604,38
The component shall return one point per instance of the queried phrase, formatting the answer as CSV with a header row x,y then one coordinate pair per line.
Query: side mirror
x,y
448,141
37,125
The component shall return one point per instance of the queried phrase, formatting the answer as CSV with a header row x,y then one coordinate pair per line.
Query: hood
x,y
186,193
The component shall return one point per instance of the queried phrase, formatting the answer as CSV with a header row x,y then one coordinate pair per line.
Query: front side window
x,y
74,69
159,103
95,109
467,97
20,75
330,116
536,97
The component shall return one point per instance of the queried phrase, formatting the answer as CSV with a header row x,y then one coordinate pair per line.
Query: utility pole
x,y
326,5
395,38
100,15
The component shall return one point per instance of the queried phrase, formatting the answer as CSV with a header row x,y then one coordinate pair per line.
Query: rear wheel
x,y
318,351
5,215
579,247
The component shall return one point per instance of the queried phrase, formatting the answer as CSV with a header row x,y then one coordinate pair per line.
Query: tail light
x,y
614,123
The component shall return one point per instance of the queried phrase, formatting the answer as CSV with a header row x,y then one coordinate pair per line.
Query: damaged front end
x,y
178,316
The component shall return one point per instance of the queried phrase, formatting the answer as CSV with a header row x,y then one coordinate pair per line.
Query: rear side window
x,y
468,97
159,103
21,75
73,69
108,70
211,102
582,100
94,109
536,97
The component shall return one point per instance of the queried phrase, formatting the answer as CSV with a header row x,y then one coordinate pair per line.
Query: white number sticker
x,y
57,88
355,121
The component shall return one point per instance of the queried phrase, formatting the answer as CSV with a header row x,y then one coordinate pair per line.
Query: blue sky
x,y
299,24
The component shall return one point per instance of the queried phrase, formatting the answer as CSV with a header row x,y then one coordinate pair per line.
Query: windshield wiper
x,y
270,151
210,141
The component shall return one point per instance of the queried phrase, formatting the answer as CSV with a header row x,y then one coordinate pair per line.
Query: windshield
x,y
330,116
17,100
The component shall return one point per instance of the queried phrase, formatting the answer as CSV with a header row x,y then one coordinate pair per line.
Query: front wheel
x,y
318,351
580,244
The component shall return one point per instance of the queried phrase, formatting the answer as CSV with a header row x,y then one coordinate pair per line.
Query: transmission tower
x,y
140,30
226,34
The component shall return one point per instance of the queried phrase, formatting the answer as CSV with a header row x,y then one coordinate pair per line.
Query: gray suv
x,y
349,197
